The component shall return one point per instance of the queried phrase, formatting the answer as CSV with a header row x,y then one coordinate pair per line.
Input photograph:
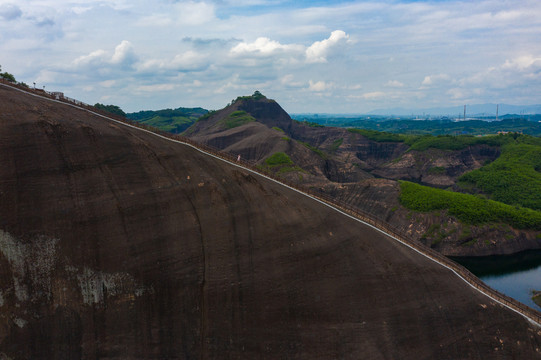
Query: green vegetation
x,y
336,144
170,120
435,233
255,96
450,142
7,76
309,123
379,136
442,142
314,149
514,178
512,123
286,169
277,128
278,159
113,109
536,297
467,208
237,118
436,170
281,163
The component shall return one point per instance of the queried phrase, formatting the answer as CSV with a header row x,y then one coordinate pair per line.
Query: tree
x,y
7,76
257,95
113,109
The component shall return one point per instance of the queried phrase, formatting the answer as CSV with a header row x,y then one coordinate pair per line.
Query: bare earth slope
x,y
117,244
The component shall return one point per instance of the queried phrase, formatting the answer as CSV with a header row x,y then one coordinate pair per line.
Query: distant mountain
x,y
471,110
171,120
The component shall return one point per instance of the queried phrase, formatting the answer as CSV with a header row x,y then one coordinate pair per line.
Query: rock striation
x,y
115,243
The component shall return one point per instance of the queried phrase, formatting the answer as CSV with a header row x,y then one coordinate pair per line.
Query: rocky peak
x,y
257,106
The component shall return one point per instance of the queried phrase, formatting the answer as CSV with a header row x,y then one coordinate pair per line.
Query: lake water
x,y
514,275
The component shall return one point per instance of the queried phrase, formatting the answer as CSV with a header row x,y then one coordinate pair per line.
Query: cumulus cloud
x,y
432,79
95,57
318,51
263,46
123,54
10,12
523,63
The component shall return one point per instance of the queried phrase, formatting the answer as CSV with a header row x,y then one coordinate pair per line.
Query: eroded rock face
x,y
344,164
117,244
439,168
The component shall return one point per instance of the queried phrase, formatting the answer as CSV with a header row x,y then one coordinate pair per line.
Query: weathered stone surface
x,y
117,244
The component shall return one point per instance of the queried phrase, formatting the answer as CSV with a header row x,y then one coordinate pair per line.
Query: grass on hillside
x,y
170,120
513,178
336,144
470,209
176,124
237,118
314,149
278,159
281,163
379,136
442,142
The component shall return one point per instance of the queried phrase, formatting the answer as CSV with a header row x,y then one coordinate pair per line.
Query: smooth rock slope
x,y
115,244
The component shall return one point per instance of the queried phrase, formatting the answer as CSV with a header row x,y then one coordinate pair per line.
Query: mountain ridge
x,y
457,111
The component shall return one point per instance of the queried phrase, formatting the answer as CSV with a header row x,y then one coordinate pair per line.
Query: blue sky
x,y
310,56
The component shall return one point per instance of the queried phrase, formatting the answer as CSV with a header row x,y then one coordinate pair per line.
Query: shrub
x,y
467,208
513,178
237,118
278,159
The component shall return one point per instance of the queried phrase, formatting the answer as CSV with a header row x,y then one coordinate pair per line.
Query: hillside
x,y
115,243
363,167
171,120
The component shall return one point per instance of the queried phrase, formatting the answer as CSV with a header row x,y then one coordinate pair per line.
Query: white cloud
x,y
432,79
124,53
523,63
394,83
264,46
155,88
318,86
108,83
195,13
318,51
373,95
180,14
95,57
289,81
187,61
